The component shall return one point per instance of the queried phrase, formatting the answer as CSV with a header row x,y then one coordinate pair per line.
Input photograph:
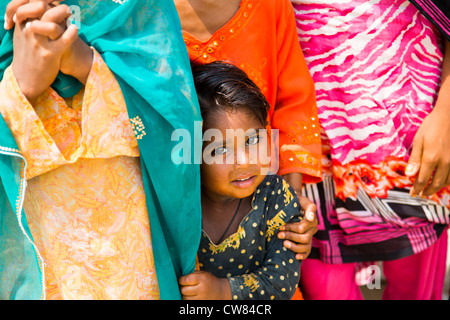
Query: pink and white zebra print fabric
x,y
377,67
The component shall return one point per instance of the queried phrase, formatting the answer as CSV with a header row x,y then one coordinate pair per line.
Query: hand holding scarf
x,y
142,44
40,46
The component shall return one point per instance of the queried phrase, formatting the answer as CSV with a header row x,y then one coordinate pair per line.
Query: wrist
x,y
80,64
225,289
295,180
28,91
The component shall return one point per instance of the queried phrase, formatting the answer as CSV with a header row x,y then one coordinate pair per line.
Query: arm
x,y
298,236
430,156
75,58
276,279
295,114
38,142
49,135
265,270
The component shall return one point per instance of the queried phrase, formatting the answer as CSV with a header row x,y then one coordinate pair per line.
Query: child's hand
x,y
202,285
36,60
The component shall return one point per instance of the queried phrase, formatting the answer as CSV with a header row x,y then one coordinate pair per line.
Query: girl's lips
x,y
244,182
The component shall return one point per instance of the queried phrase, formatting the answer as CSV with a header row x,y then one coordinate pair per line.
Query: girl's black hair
x,y
222,86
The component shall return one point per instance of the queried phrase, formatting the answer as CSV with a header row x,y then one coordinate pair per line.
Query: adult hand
x,y
430,156
299,235
36,60
50,20
30,12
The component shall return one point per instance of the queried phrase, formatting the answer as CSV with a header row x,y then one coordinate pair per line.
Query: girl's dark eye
x,y
252,140
219,151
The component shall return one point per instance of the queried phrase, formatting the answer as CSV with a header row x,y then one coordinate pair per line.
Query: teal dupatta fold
x,y
142,44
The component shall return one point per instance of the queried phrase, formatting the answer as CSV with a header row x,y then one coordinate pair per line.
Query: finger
x,y
447,183
48,29
188,280
300,232
301,251
299,227
296,238
32,10
424,176
13,6
414,162
188,292
10,11
308,207
68,37
57,14
438,181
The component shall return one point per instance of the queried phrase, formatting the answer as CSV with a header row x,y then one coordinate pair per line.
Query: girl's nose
x,y
244,158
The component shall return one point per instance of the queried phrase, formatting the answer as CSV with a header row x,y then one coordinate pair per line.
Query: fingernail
x,y
14,18
281,235
409,169
310,216
27,25
5,26
73,26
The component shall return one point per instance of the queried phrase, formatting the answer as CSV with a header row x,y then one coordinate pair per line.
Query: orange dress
x,y
84,199
262,40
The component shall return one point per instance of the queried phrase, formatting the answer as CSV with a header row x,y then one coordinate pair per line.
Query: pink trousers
x,y
417,277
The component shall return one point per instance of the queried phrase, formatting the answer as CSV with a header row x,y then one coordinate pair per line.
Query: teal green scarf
x,y
141,42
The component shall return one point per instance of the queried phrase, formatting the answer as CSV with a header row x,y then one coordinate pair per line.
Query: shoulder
x,y
276,195
279,202
277,7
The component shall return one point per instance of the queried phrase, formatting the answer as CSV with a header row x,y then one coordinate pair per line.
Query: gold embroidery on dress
x,y
251,282
138,127
232,241
288,196
275,224
308,132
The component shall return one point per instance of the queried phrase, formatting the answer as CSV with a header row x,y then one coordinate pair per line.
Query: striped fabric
x,y
377,68
437,12
369,229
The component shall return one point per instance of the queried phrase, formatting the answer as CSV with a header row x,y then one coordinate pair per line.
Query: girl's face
x,y
232,164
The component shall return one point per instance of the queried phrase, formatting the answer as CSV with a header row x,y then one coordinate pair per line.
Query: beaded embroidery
x,y
138,127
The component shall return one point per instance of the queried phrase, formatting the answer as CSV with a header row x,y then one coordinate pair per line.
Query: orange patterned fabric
x,y
262,40
85,200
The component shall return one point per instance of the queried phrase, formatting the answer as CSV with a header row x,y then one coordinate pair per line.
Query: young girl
x,y
260,37
240,256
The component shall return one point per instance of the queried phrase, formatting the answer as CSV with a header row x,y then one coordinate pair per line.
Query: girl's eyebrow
x,y
227,140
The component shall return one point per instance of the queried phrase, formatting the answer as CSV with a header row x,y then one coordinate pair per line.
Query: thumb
x,y
415,159
308,207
